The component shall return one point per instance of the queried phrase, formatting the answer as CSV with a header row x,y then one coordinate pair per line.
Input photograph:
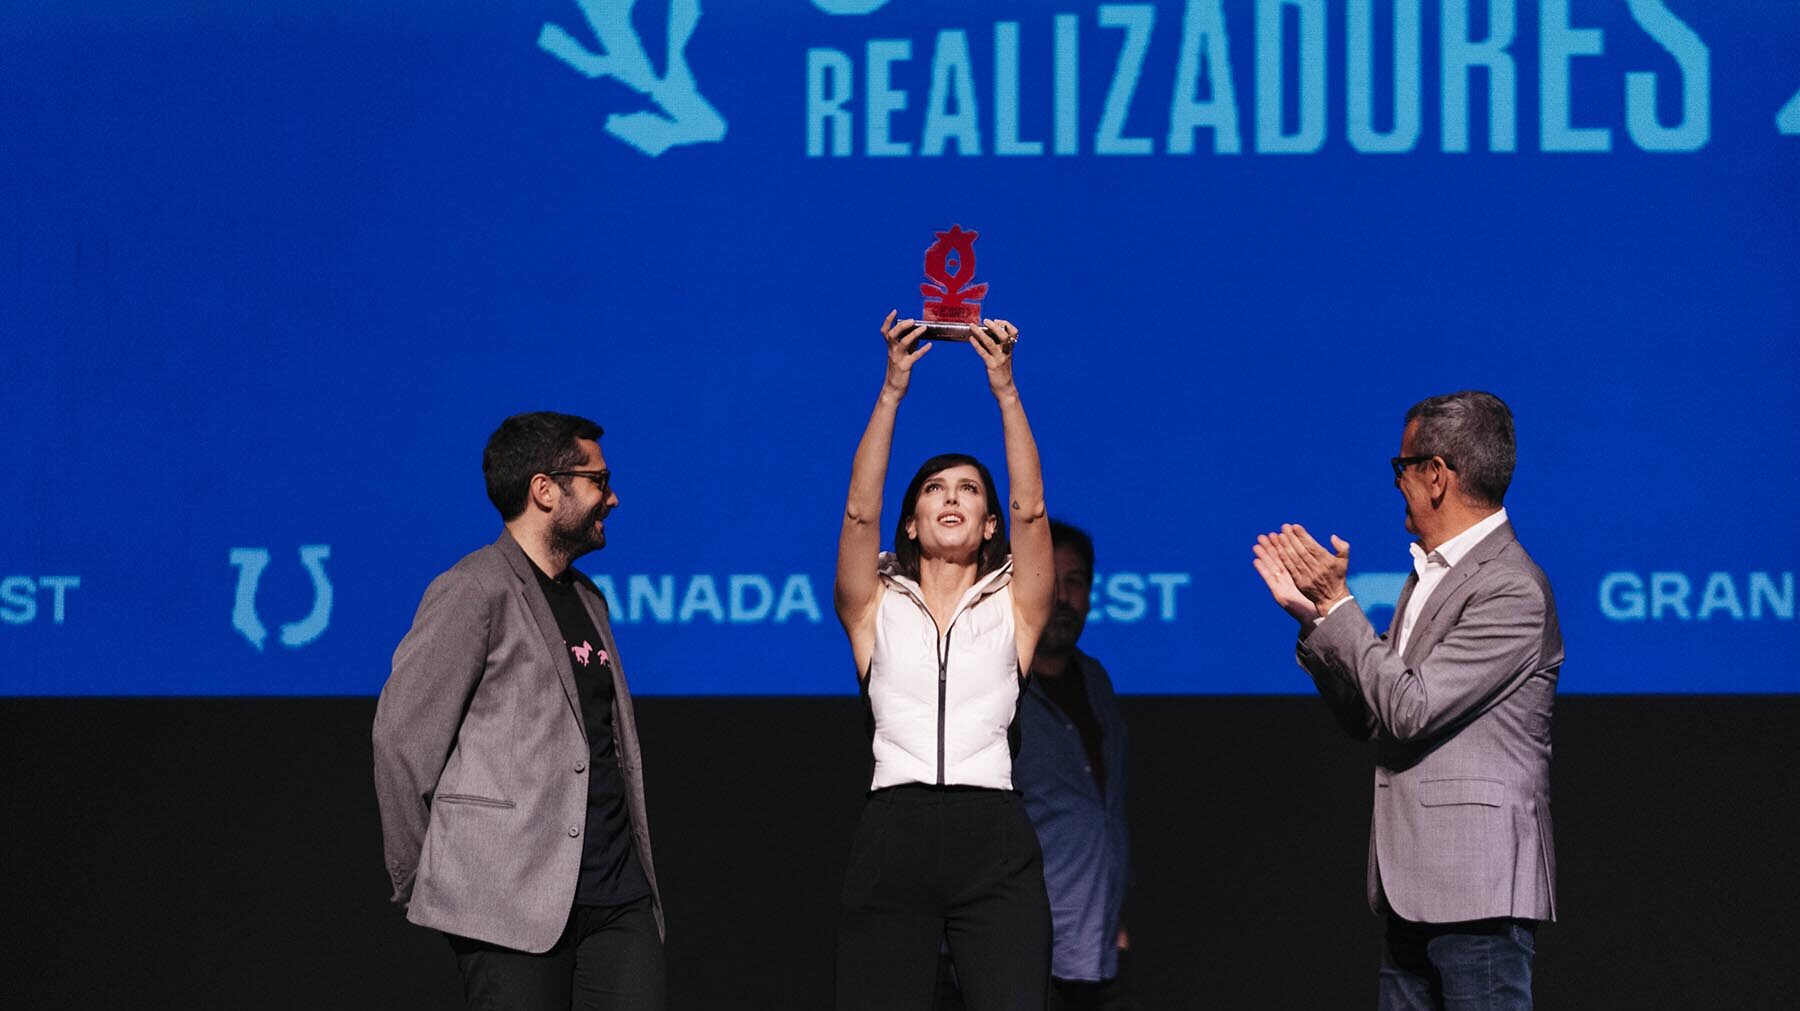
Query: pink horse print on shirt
x,y
585,653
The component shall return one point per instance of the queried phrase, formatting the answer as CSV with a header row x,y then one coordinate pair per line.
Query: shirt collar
x,y
1452,551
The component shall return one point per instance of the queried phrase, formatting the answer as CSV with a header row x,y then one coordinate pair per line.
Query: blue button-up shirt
x,y
1086,847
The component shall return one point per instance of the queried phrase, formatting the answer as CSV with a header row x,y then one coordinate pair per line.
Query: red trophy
x,y
952,304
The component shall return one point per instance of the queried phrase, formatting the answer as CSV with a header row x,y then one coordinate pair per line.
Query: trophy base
x,y
938,331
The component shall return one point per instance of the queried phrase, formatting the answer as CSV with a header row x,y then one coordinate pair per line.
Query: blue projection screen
x,y
273,271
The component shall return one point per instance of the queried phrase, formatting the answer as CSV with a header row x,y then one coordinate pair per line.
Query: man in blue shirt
x,y
1071,770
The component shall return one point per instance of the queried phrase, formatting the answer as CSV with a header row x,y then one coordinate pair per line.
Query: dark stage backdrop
x,y
225,854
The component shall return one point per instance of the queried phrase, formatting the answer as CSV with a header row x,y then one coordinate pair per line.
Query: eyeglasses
x,y
1400,463
602,478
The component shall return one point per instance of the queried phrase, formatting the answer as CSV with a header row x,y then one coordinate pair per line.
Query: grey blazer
x,y
1461,827
481,757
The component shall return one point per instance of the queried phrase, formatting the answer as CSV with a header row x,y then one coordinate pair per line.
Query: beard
x,y
575,537
1060,635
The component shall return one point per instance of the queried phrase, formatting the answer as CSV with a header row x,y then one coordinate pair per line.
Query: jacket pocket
x,y
1447,792
469,798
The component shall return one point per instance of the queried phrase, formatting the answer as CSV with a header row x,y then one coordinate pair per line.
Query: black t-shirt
x,y
610,873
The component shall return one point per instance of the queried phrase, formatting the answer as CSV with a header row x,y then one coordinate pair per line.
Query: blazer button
x,y
574,830
580,766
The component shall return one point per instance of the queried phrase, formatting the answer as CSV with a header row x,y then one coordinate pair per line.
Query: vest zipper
x,y
943,692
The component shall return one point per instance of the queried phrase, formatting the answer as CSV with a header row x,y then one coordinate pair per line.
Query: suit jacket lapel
x,y
624,723
1478,555
546,622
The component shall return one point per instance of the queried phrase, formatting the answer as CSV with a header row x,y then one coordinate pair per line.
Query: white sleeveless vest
x,y
943,699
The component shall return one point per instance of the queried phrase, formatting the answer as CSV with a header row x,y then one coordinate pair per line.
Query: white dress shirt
x,y
1433,566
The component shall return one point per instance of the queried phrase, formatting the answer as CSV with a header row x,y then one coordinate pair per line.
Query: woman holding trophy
x,y
942,629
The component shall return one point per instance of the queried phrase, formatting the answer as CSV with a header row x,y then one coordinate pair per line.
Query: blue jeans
x,y
1483,965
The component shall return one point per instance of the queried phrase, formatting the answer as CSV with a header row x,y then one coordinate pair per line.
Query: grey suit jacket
x,y
1461,827
481,757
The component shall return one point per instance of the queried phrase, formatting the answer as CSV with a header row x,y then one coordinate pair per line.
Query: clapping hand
x,y
1279,580
1318,574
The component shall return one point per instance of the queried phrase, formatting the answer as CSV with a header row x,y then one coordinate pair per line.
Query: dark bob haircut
x,y
994,551
526,445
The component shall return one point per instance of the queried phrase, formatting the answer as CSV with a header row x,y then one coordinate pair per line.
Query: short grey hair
x,y
1473,432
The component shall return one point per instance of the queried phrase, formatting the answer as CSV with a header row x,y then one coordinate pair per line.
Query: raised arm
x,y
1034,562
858,586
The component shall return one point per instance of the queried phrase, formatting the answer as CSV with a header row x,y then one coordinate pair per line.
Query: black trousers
x,y
609,958
936,865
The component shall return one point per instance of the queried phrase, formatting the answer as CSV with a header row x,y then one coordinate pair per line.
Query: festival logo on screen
x,y
1171,79
851,7
1127,598
1788,119
250,563
1124,597
1166,73
1628,596
745,599
1377,591
683,115
25,600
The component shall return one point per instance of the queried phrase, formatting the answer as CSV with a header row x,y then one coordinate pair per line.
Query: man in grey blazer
x,y
1457,695
507,766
